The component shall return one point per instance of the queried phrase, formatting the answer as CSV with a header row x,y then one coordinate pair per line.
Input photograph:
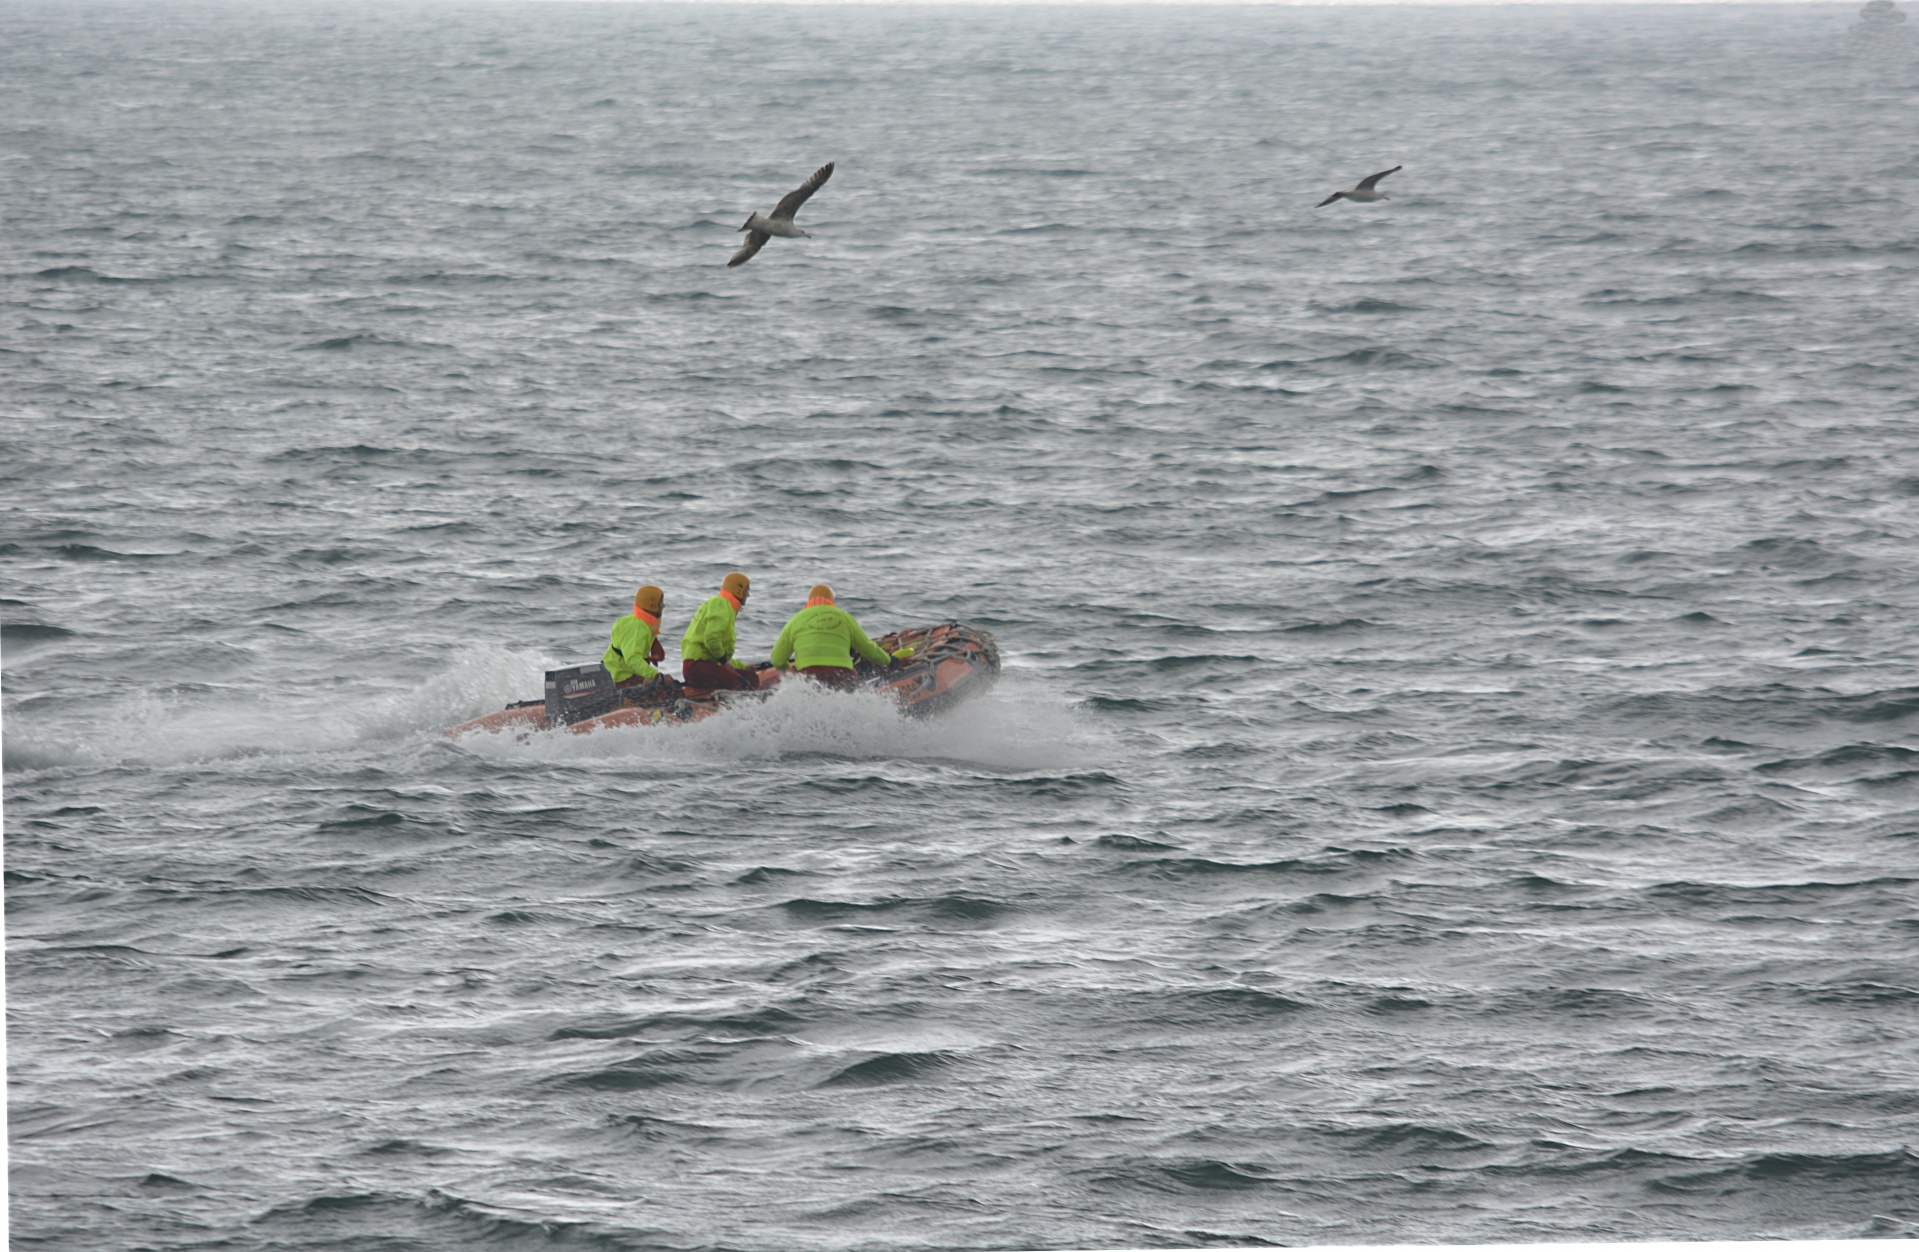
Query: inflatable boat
x,y
950,663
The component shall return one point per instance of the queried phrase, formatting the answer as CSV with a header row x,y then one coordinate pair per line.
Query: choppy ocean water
x,y
1453,778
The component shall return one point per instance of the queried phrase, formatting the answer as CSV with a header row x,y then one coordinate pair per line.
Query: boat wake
x,y
1004,729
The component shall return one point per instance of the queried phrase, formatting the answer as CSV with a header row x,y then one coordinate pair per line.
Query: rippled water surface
x,y
1456,772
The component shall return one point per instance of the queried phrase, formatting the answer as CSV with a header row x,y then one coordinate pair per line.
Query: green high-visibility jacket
x,y
709,636
626,658
825,634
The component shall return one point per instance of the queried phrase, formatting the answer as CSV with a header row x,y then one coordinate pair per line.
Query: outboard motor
x,y
579,692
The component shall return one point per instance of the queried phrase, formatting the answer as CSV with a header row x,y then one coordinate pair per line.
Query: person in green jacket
x,y
706,650
636,646
820,641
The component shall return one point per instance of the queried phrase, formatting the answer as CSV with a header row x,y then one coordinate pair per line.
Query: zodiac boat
x,y
950,663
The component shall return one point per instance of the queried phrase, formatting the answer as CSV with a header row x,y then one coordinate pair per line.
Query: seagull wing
x,y
790,203
1337,195
1366,184
754,242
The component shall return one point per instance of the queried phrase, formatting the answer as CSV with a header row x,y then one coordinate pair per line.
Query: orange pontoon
x,y
950,663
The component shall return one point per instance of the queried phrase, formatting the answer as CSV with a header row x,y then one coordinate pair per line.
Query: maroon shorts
x,y
833,675
718,676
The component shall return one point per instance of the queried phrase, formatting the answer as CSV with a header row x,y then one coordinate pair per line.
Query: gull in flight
x,y
781,223
1367,191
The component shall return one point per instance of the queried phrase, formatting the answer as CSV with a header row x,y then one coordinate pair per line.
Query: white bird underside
x,y
1367,191
760,229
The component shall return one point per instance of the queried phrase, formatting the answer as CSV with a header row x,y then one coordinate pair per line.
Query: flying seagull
x,y
1367,191
781,223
